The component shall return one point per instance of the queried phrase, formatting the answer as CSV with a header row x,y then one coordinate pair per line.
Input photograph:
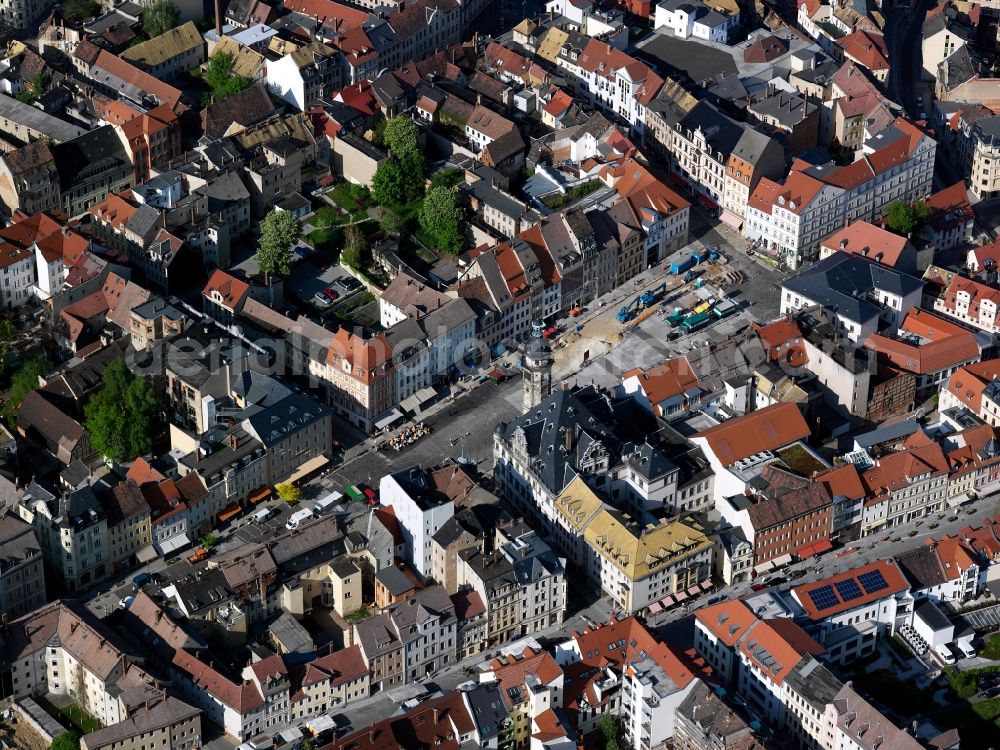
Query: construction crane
x,y
625,314
649,297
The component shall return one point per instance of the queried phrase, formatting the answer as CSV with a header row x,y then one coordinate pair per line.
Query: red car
x,y
370,494
331,295
550,332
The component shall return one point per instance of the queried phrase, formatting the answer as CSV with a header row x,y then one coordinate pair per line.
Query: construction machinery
x,y
625,314
649,297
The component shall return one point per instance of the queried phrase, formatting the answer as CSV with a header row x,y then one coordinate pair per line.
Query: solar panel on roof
x,y
823,597
873,581
848,590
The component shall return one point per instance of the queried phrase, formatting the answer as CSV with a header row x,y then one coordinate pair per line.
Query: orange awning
x,y
262,494
230,513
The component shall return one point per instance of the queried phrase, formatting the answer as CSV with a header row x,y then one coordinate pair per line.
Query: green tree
x,y
209,540
906,218
159,17
390,221
289,493
355,247
7,334
441,218
220,78
24,381
279,231
66,741
125,416
75,11
608,725
400,135
35,89
447,177
412,166
388,187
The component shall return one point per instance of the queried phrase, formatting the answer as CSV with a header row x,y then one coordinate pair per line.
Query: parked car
x,y
350,283
966,649
944,654
331,295
141,580
262,515
321,299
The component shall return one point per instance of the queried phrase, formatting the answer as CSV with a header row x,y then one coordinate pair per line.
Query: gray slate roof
x,y
841,282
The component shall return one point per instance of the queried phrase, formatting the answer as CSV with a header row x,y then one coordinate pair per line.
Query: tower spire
x,y
536,369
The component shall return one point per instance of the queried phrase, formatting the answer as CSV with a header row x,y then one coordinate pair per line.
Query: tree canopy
x,y
220,78
80,10
401,177
355,246
289,493
66,741
906,218
279,231
441,218
124,416
159,17
387,184
24,380
390,221
400,135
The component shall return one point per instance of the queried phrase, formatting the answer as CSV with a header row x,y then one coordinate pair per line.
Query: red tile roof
x,y
117,67
940,345
863,238
896,471
782,340
867,48
951,207
672,378
512,673
605,61
978,293
614,646
969,382
341,18
436,723
766,429
888,568
233,291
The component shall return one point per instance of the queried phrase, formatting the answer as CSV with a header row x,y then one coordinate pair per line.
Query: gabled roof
x,y
340,17
605,61
672,378
896,471
122,70
889,570
165,47
232,291
925,344
766,429
969,382
783,341
864,238
868,48
248,107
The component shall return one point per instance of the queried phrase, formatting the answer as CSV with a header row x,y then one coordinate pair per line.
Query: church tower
x,y
537,367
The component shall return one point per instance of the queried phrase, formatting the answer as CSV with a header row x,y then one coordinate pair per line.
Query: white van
x,y
262,515
966,648
324,504
298,517
944,653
